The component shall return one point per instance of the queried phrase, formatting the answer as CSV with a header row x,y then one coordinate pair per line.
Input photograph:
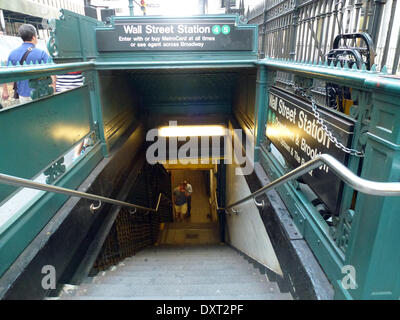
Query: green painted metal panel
x,y
72,37
119,104
244,99
385,117
37,133
17,236
375,235
192,109
371,228
185,87
306,219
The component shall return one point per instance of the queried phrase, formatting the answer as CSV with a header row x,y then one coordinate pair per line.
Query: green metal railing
x,y
305,29
19,182
363,234
37,136
32,71
389,189
353,77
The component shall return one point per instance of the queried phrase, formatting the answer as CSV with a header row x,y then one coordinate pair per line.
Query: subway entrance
x,y
136,85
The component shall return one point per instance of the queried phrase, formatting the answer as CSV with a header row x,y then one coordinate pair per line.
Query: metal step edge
x,y
182,280
266,297
167,290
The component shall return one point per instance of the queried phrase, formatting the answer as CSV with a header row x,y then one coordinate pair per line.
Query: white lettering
x,y
288,113
193,29
313,129
132,29
159,29
273,102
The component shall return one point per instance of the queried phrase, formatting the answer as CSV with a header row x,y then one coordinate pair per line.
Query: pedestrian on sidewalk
x,y
28,53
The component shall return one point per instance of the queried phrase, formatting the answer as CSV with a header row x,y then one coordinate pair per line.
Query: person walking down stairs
x,y
189,191
180,202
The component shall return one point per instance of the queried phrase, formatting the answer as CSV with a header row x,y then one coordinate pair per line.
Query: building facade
x,y
36,12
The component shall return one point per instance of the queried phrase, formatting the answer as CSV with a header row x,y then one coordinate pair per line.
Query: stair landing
x,y
190,234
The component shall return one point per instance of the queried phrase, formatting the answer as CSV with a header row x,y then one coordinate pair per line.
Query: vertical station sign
x,y
294,131
159,34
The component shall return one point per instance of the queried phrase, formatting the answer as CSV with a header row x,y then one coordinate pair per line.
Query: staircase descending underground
x,y
205,272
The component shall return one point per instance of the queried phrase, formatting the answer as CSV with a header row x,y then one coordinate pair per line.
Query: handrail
x,y
347,176
20,182
215,201
360,78
159,200
365,186
218,208
31,71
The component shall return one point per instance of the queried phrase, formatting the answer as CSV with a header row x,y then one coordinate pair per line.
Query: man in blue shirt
x,y
28,34
180,202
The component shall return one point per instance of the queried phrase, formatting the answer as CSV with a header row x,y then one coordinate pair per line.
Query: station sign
x,y
294,131
197,34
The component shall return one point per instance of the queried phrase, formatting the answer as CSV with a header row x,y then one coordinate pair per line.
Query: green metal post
x,y
97,113
260,109
131,8
373,248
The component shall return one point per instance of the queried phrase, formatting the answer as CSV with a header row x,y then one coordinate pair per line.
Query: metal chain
x,y
320,121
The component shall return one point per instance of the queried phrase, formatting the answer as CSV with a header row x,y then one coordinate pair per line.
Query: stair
x,y
206,272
